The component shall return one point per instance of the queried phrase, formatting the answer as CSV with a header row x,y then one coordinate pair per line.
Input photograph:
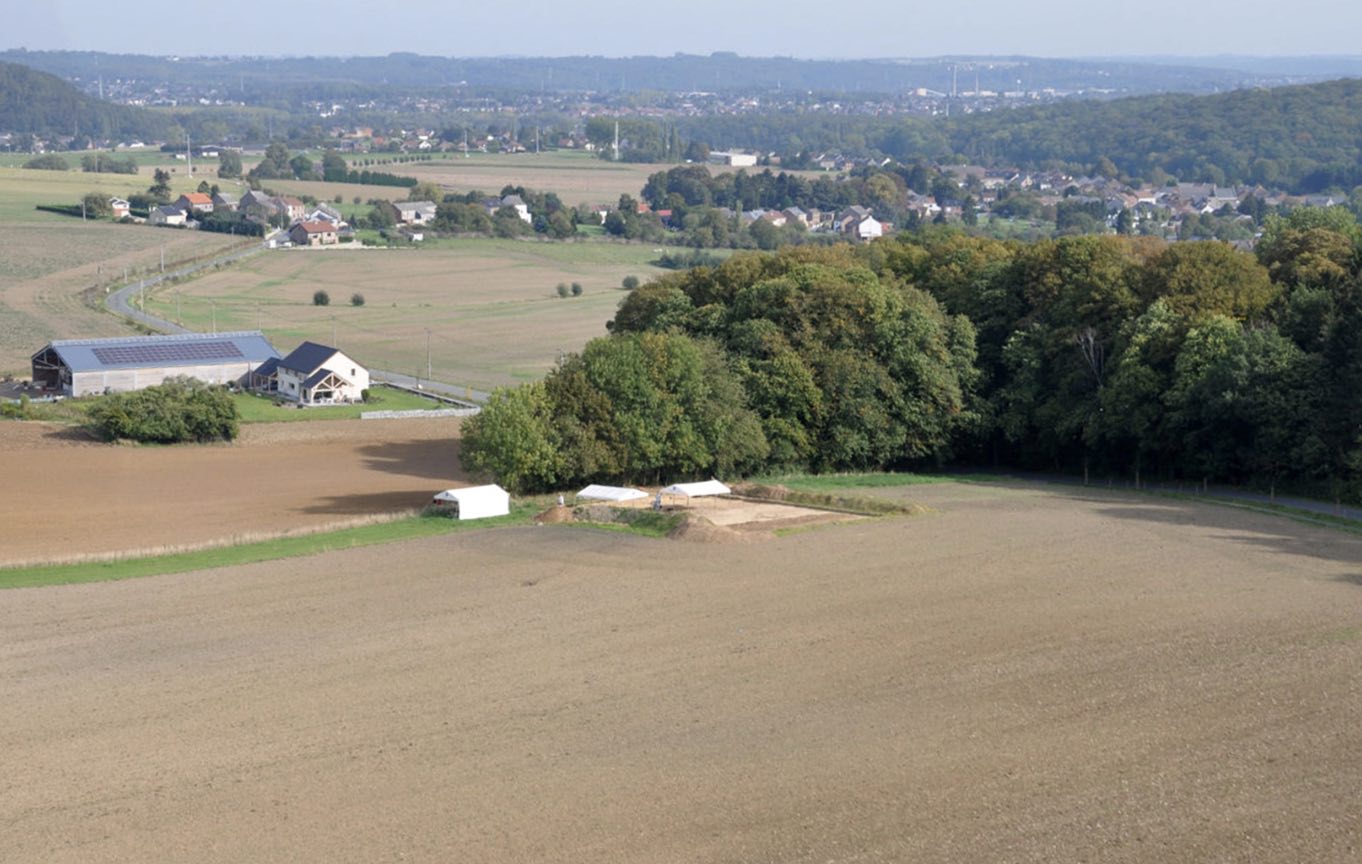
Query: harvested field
x,y
1024,675
67,496
490,305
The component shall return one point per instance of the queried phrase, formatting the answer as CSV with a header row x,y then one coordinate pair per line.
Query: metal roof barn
x,y
78,367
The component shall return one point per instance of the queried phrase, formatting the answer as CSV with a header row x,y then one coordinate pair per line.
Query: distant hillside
x,y
723,72
42,104
1303,139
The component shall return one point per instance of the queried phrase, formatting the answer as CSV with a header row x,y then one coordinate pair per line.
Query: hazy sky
x,y
799,28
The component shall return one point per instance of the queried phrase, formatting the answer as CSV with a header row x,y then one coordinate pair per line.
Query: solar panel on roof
x,y
172,352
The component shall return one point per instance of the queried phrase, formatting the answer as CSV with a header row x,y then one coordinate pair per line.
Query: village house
x,y
314,233
291,207
194,202
167,214
224,201
258,203
120,207
518,204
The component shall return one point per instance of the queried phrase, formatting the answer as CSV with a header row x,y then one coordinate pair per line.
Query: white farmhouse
x,y
317,374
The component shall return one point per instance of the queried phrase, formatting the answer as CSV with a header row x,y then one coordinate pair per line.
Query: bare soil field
x,y
577,178
1023,675
66,496
490,305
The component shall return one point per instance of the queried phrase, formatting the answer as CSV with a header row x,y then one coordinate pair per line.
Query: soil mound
x,y
554,515
698,529
767,491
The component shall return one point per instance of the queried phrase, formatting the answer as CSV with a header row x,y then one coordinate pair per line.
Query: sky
x,y
758,28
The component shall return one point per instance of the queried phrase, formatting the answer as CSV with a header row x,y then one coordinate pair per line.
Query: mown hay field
x,y
491,306
575,177
53,277
1025,674
23,188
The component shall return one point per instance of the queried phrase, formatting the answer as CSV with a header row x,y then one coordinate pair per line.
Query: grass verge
x,y
402,528
253,408
868,480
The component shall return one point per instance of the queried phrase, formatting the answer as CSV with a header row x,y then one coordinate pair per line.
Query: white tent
x,y
696,490
476,502
597,492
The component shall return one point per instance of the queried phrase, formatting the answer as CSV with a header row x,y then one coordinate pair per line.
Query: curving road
x,y
118,302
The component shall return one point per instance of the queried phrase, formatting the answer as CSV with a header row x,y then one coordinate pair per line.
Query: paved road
x,y
120,303
458,392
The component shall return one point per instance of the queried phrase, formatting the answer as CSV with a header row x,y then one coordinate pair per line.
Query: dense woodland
x,y
1300,139
36,103
1103,356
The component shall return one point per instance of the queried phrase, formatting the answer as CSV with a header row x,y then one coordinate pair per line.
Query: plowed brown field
x,y
1024,675
65,495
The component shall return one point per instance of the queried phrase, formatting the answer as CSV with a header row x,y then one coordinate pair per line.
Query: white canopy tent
x,y
596,492
476,502
698,490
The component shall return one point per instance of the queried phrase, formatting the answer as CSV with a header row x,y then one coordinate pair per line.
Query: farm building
x,y
78,367
315,374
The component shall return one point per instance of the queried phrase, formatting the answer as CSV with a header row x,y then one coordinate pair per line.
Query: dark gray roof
x,y
317,377
187,349
268,368
307,357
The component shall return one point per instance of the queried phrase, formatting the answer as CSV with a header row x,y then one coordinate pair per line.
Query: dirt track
x,y
64,495
1024,675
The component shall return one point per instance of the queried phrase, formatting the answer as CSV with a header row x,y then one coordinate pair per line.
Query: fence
x,y
404,415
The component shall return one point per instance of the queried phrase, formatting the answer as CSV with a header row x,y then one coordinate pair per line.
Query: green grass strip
x,y
869,480
409,528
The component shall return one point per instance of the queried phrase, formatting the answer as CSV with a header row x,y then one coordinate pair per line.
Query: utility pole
x,y
188,155
179,319
427,353
215,316
163,259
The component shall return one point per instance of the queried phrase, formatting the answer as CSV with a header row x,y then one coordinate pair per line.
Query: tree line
x,y
1105,356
